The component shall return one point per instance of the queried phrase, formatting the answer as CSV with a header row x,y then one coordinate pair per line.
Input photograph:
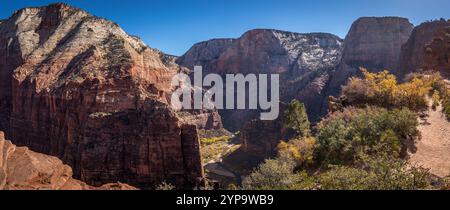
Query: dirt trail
x,y
433,150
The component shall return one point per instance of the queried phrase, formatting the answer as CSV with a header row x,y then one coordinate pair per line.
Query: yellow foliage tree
x,y
381,89
300,150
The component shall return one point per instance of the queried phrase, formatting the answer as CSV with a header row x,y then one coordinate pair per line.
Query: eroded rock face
x,y
437,53
302,60
23,169
373,43
78,87
413,52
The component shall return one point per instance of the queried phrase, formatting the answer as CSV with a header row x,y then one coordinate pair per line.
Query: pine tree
x,y
297,118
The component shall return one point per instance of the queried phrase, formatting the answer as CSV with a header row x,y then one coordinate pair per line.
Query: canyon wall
x,y
303,62
437,53
23,169
78,87
412,57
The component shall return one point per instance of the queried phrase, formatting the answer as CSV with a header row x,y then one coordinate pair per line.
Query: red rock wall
x,y
79,88
23,169
437,53
412,56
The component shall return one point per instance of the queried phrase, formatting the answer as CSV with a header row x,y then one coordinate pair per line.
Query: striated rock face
x,y
413,52
23,169
78,87
437,53
373,43
302,60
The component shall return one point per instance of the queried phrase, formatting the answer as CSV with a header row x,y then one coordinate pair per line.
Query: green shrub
x,y
344,135
275,174
381,172
344,178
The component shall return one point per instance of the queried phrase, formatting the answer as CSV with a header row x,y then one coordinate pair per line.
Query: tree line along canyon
x,y
86,106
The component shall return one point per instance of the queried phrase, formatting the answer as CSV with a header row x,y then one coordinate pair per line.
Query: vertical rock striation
x,y
78,87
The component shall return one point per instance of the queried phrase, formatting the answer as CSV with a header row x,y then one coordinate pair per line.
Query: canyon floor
x,y
433,150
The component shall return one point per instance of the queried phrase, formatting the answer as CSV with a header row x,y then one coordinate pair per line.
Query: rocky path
x,y
433,150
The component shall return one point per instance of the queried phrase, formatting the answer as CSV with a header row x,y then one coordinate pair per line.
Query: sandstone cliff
x,y
413,52
437,53
302,60
78,87
373,43
23,169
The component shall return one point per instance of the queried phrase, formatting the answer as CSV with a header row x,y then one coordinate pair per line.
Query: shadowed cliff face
x,y
437,53
414,52
78,87
23,169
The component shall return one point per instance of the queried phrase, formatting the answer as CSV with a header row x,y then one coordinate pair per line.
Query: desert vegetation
x,y
362,144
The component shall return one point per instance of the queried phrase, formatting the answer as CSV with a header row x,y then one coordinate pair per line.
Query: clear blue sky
x,y
173,26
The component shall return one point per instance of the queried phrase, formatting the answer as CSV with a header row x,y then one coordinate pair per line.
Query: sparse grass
x,y
209,141
217,148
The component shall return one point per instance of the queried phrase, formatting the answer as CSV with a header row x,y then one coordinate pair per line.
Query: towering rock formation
x,y
78,87
412,57
302,60
23,169
373,43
